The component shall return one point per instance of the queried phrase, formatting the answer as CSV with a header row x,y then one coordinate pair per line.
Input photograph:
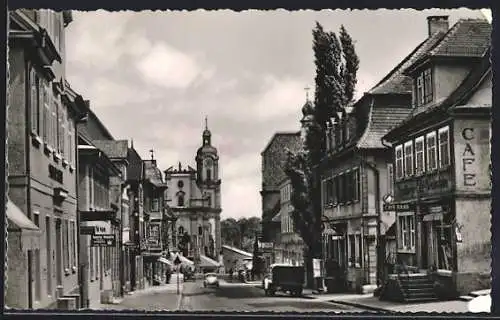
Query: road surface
x,y
249,297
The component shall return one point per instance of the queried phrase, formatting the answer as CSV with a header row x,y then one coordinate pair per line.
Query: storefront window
x,y
406,234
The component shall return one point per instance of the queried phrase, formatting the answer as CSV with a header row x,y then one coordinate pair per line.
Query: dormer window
x,y
423,87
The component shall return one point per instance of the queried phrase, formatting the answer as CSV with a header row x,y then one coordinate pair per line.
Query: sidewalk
x,y
132,300
372,303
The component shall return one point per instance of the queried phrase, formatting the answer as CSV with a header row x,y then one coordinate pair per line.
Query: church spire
x,y
206,133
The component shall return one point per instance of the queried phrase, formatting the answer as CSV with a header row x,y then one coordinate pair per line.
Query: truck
x,y
284,278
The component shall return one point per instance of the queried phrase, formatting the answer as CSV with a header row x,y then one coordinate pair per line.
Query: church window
x,y
209,174
200,230
180,184
209,200
180,200
181,230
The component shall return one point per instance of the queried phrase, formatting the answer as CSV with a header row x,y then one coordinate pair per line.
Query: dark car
x,y
284,278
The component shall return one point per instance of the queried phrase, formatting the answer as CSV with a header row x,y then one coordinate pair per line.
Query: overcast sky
x,y
153,76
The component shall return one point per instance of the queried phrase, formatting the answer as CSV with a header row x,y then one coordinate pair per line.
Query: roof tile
x,y
381,121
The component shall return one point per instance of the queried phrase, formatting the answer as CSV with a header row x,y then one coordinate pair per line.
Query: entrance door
x,y
431,244
425,246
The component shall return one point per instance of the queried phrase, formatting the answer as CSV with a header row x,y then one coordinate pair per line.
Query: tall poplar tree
x,y
336,67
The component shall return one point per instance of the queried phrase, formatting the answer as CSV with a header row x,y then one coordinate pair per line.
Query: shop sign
x,y
103,240
433,217
401,207
266,245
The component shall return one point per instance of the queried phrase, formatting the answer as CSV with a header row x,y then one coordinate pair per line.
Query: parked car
x,y
284,278
211,280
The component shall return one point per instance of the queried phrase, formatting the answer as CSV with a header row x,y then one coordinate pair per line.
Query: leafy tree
x,y
336,68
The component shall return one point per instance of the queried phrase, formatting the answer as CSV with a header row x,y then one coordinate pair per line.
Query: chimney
x,y
437,24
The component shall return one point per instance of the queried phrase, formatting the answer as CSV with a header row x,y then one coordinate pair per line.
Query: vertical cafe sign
x,y
471,155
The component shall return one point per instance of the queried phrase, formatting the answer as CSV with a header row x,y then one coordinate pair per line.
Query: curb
x,y
361,306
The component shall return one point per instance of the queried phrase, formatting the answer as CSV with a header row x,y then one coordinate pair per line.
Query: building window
x,y
209,200
46,114
408,154
427,86
180,184
155,205
329,191
357,184
390,178
444,147
73,243
352,250
406,235
34,103
423,88
180,200
420,90
419,155
359,253
399,161
66,246
209,174
53,121
431,151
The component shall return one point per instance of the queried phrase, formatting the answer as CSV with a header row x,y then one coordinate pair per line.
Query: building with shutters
x,y
441,158
42,113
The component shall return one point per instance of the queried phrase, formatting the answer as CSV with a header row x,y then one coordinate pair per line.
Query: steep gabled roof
x,y
459,96
469,38
395,81
381,120
277,134
152,173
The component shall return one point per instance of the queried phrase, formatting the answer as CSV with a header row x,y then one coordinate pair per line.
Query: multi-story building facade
x,y
291,244
441,161
357,175
154,218
42,114
194,198
273,157
117,151
135,181
99,205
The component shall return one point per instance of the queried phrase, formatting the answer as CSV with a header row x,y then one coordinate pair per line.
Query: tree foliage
x,y
240,233
336,68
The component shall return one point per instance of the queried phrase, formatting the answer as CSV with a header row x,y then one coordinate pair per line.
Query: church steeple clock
x,y
207,159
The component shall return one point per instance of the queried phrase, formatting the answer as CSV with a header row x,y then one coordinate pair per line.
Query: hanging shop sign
x,y
103,240
401,207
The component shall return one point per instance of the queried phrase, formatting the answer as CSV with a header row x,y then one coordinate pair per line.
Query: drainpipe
x,y
27,136
376,173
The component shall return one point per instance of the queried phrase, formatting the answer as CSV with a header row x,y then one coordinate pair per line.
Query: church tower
x,y
209,182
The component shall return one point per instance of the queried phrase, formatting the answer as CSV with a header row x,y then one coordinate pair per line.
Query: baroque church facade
x,y
194,198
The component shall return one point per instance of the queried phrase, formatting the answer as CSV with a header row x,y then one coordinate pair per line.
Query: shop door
x,y
431,244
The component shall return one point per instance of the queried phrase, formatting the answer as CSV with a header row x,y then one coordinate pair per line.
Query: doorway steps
x,y
417,287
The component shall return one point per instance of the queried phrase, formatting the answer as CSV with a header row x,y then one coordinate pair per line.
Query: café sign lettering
x,y
468,158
